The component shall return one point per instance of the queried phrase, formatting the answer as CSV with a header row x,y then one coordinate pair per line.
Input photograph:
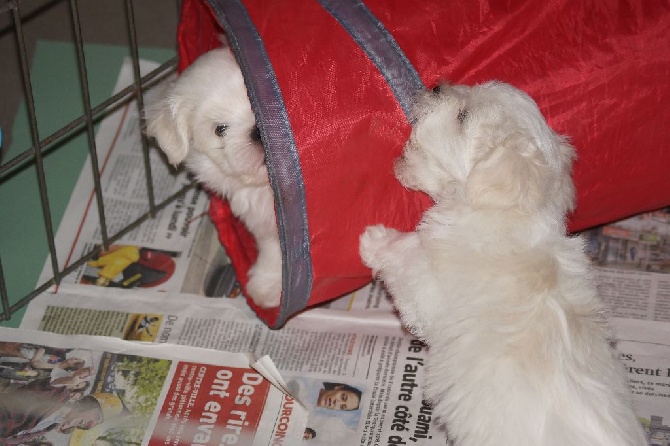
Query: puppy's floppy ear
x,y
167,121
512,174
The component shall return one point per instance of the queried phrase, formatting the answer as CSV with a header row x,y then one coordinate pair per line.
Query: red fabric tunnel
x,y
343,71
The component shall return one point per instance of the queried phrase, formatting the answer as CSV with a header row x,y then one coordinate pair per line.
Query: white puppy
x,y
205,119
505,301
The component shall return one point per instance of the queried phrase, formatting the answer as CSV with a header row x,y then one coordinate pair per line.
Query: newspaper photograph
x,y
85,390
359,374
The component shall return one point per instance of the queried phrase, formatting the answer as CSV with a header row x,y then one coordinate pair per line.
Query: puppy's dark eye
x,y
220,130
437,89
462,114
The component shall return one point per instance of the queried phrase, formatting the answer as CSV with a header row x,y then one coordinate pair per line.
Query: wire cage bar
x,y
83,123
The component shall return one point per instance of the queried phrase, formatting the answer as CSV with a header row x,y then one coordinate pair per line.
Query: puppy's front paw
x,y
373,243
264,288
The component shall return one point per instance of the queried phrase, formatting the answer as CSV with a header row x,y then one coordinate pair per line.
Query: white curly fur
x,y
518,339
211,93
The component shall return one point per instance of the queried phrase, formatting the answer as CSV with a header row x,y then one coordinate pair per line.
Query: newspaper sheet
x,y
86,390
370,354
632,265
359,374
159,254
644,348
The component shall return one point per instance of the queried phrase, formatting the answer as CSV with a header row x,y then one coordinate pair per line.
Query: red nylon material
x,y
598,69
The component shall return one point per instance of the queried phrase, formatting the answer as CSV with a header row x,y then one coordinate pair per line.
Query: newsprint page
x,y
84,390
349,363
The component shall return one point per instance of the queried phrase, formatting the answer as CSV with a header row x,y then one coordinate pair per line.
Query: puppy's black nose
x,y
255,135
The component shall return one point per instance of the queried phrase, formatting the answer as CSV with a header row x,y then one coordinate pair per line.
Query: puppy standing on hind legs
x,y
205,119
518,340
